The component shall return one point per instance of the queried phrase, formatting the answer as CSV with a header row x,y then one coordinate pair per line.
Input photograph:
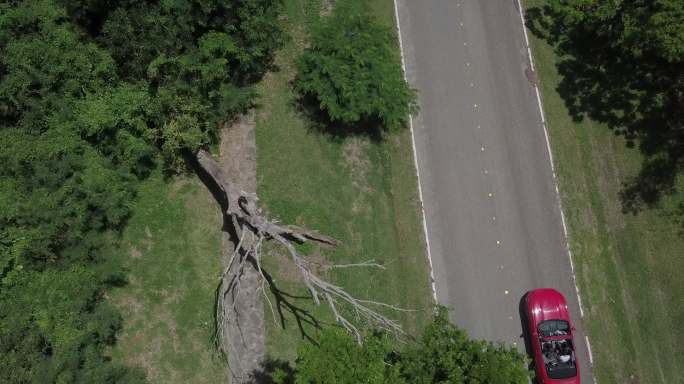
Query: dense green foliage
x,y
627,265
352,71
623,65
444,354
93,95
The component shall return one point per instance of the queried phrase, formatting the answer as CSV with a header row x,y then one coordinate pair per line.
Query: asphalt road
x,y
492,212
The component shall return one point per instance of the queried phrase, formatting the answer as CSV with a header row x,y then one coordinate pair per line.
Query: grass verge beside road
x,y
172,252
361,191
628,266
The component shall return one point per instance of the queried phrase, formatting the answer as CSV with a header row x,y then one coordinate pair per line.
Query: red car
x,y
549,334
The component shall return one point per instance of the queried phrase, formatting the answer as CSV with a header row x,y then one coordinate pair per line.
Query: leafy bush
x,y
352,70
444,354
93,93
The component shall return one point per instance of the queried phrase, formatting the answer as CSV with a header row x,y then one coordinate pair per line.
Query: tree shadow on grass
x,y
275,371
635,98
321,123
285,303
657,178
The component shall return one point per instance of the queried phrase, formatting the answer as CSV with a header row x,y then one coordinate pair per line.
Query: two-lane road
x,y
492,213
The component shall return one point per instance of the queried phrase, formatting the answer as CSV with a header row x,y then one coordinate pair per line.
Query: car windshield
x,y
554,328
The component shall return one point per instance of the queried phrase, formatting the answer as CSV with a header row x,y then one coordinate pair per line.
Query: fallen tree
x,y
250,227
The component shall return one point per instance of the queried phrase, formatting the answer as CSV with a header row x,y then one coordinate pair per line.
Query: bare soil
x,y
245,339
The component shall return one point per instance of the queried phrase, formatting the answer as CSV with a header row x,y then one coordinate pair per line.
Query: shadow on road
x,y
630,87
525,335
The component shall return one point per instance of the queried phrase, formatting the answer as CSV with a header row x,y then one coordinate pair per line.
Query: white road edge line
x,y
553,167
591,356
415,160
555,181
548,148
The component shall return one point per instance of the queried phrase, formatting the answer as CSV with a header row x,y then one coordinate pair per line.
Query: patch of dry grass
x,y
361,191
173,264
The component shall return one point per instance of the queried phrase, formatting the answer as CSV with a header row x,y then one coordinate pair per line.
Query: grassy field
x,y
361,191
172,253
628,266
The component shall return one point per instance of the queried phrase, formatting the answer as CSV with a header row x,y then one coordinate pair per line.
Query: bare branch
x,y
367,263
313,235
235,252
257,259
247,217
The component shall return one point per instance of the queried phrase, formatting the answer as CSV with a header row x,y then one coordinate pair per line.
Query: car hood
x,y
547,304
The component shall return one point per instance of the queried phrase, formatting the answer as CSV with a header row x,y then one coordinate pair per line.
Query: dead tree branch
x,y
253,227
367,263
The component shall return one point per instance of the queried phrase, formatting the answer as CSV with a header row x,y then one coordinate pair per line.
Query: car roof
x,y
547,304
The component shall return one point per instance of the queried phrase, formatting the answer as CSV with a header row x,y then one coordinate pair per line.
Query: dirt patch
x,y
327,7
167,318
135,253
356,160
147,241
163,323
149,349
355,150
132,305
237,152
148,357
245,336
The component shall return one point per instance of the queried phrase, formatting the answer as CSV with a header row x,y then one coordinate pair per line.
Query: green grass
x,y
362,192
172,251
359,191
628,266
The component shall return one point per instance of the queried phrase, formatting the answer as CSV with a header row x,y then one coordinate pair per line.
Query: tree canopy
x,y
94,95
352,70
97,94
622,64
443,354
